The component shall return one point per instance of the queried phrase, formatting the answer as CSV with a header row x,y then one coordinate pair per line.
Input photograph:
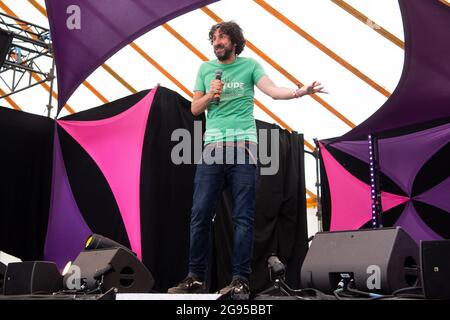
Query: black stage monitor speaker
x,y
435,268
378,260
32,277
110,268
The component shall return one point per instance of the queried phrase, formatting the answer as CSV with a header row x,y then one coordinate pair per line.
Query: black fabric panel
x,y
433,172
389,217
25,185
166,191
280,219
413,128
435,218
108,110
91,190
360,170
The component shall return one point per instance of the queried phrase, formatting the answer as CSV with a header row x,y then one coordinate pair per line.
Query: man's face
x,y
223,47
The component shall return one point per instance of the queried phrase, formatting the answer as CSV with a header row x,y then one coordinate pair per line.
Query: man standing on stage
x,y
225,87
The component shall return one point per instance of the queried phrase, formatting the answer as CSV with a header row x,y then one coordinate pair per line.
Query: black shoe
x,y
189,285
238,289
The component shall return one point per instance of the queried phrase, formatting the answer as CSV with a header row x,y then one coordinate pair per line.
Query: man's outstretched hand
x,y
315,87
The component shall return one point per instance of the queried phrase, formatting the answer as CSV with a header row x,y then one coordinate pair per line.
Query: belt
x,y
241,144
230,144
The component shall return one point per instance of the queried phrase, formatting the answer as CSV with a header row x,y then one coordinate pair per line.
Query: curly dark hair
x,y
231,29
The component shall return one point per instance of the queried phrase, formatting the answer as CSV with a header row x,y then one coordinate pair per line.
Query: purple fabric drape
x,y
67,230
438,196
402,157
421,100
86,33
411,222
423,93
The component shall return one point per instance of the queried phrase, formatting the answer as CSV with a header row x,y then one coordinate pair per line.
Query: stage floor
x,y
167,296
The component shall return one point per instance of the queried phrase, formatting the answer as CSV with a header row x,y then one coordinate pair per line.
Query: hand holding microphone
x,y
216,86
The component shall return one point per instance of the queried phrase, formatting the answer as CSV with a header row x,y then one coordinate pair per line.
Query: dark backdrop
x,y
26,146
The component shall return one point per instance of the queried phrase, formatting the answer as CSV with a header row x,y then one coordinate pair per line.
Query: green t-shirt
x,y
232,119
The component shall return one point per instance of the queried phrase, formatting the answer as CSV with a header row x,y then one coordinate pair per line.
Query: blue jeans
x,y
241,175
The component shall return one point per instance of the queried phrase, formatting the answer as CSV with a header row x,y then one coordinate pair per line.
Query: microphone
x,y
217,95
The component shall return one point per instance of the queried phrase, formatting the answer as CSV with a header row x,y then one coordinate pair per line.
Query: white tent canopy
x,y
343,44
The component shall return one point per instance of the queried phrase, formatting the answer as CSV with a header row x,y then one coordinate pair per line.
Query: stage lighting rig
x,y
26,57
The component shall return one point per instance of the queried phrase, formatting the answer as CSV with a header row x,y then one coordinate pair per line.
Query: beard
x,y
226,53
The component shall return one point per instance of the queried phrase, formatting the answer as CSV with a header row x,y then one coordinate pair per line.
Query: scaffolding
x,y
29,59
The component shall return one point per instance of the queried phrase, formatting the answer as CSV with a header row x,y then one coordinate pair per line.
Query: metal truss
x,y
29,60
